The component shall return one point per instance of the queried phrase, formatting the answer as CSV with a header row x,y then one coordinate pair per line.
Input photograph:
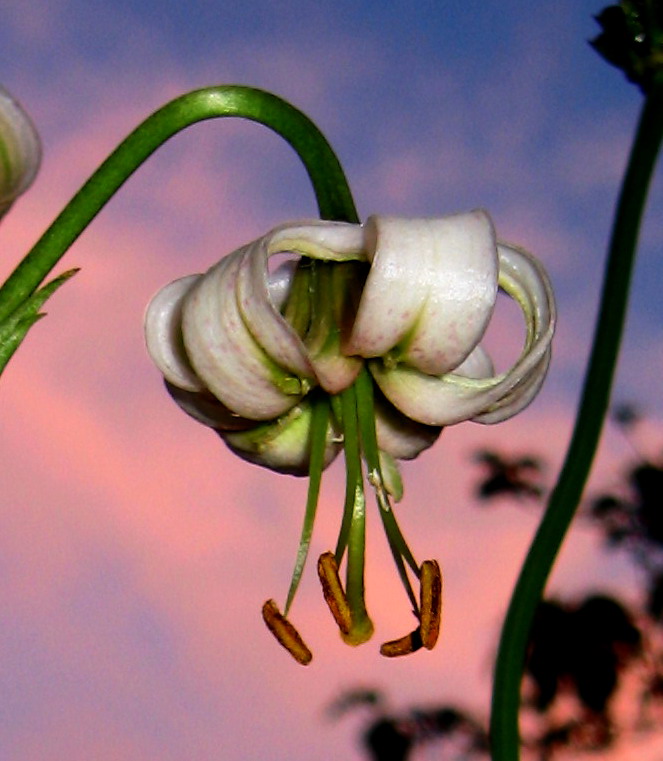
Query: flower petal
x,y
329,241
283,445
452,398
208,410
163,334
335,309
477,365
430,292
319,239
224,353
262,317
398,435
20,151
223,332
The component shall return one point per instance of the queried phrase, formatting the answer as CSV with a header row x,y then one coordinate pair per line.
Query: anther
x,y
286,633
430,597
410,643
333,592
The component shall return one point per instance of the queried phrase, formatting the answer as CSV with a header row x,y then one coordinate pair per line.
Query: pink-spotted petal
x,y
430,292
283,445
452,398
163,334
224,354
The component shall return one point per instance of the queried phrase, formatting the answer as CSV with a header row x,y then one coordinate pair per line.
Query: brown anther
x,y
430,599
286,633
333,592
410,643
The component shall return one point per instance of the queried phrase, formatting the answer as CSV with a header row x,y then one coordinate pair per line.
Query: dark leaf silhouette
x,y
625,414
580,651
655,597
385,741
507,476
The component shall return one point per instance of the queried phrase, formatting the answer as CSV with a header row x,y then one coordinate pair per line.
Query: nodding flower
x,y
20,151
366,339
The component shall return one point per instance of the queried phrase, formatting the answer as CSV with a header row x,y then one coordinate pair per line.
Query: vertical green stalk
x,y
566,496
318,443
354,517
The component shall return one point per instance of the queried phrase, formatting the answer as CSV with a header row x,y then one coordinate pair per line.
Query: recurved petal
x,y
163,334
452,398
430,291
319,239
520,395
283,445
280,281
477,365
20,151
208,410
225,355
261,315
400,436
258,298
342,243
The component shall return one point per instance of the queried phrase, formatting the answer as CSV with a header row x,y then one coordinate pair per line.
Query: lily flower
x,y
20,151
365,339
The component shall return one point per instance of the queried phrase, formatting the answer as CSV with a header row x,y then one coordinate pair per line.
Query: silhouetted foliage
x,y
625,415
507,476
633,521
631,38
581,648
352,699
386,741
391,737
580,651
637,519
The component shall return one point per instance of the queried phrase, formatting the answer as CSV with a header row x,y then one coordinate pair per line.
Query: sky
x,y
135,550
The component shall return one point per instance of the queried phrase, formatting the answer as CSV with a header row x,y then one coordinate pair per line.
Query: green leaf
x,y
16,326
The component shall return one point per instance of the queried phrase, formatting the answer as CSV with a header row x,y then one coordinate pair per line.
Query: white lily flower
x,y
244,350
470,391
20,151
425,305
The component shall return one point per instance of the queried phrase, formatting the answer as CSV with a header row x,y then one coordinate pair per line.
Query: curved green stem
x,y
329,182
593,406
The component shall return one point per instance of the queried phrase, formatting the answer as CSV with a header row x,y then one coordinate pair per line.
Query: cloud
x,y
136,551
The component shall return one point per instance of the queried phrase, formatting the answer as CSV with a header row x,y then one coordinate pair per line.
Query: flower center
x,y
322,299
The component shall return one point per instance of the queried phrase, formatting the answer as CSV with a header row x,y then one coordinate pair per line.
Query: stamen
x,y
410,643
286,633
332,589
430,602
430,596
319,422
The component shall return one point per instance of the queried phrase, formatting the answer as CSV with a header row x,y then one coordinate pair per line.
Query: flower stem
x,y
399,548
319,424
593,406
329,182
353,527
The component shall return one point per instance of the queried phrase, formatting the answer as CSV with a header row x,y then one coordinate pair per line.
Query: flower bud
x,y
20,151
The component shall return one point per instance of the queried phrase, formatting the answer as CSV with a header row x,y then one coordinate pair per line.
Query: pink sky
x,y
136,551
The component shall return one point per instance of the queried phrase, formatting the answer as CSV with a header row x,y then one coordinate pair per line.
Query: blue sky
x,y
125,547
502,105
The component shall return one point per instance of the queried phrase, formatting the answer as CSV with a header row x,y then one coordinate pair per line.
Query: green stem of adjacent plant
x,y
566,496
324,170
